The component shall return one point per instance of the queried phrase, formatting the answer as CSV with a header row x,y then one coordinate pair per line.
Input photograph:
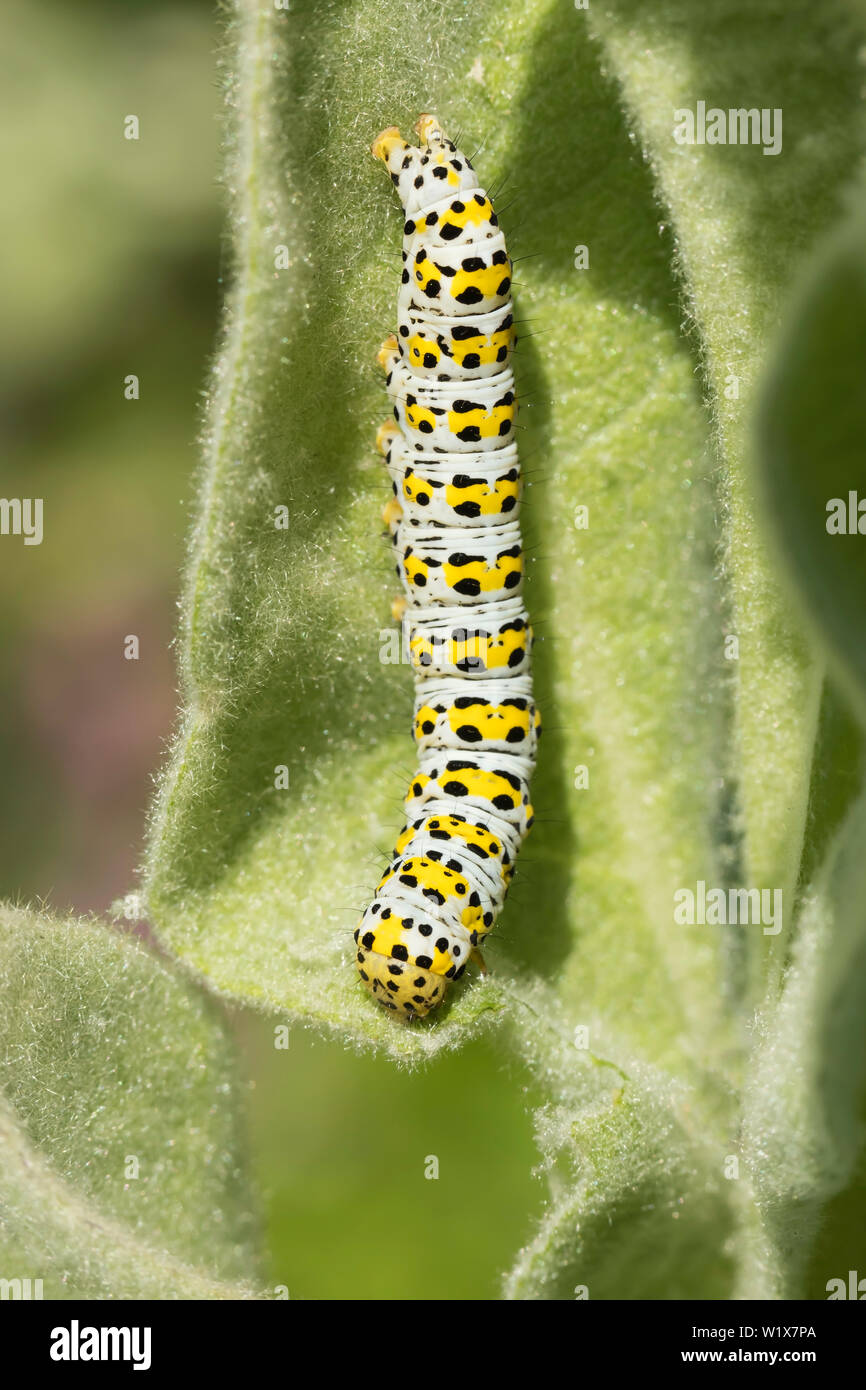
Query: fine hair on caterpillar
x,y
453,522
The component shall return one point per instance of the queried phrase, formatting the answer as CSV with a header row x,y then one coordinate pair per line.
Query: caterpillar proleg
x,y
454,523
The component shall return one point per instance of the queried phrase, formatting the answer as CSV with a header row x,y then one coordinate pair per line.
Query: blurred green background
x,y
112,266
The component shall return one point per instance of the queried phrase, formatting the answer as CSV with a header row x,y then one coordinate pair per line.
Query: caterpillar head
x,y
404,989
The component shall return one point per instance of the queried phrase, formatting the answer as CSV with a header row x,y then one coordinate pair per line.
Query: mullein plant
x,y
693,339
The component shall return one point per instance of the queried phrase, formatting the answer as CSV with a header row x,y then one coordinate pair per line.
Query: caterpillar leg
x,y
385,436
387,352
398,608
476,956
391,515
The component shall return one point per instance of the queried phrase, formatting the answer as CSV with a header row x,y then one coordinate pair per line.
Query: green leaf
x,y
259,888
122,1170
803,1094
638,1162
707,1194
661,1186
742,223
801,1128
700,768
813,424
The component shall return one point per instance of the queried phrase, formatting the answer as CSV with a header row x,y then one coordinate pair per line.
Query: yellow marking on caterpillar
x,y
387,932
421,347
487,280
414,486
415,570
442,961
436,878
418,415
474,213
492,721
426,714
479,782
500,649
457,651
425,271
485,347
489,500
490,578
404,838
454,827
466,830
488,422
492,652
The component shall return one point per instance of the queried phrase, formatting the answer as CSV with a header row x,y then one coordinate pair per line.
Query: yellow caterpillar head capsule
x,y
405,989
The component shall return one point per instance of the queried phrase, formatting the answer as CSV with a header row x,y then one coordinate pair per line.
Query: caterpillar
x,y
453,521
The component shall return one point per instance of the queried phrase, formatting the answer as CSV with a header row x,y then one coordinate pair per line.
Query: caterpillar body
x,y
453,519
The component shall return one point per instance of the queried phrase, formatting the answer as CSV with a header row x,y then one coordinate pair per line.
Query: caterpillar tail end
x,y
405,989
